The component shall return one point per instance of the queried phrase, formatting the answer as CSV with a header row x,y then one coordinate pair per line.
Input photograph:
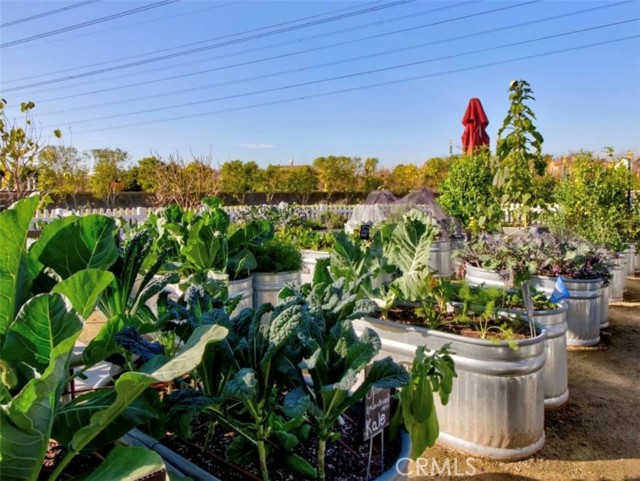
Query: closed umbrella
x,y
475,122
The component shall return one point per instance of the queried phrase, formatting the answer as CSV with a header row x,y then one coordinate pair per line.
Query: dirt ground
x,y
596,435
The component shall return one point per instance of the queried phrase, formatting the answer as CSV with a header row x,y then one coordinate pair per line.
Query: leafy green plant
x,y
277,256
519,153
468,194
38,330
592,202
416,411
306,238
334,357
408,248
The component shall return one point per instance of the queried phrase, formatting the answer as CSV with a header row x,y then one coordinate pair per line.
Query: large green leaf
x,y
203,247
127,389
126,464
408,249
27,420
191,353
131,384
73,416
84,288
43,322
104,343
48,231
88,242
15,282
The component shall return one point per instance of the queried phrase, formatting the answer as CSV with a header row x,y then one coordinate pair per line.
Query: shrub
x,y
468,194
277,256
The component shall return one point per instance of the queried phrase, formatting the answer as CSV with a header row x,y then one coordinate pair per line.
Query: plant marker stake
x,y
528,304
382,452
369,459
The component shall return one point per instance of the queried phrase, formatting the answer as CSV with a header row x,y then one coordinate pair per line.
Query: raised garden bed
x,y
496,408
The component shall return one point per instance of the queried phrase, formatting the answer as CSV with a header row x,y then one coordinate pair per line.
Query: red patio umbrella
x,y
475,122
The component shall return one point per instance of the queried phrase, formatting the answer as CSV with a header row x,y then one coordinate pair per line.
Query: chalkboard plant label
x,y
377,411
365,231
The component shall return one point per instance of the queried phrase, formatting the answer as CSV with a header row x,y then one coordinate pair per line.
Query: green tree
x,y
144,176
403,179
338,173
519,153
436,170
270,181
107,179
62,173
370,179
239,178
301,180
19,149
468,193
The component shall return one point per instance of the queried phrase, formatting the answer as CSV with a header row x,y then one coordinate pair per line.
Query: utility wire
x,y
87,24
46,14
273,45
132,25
363,87
168,49
209,47
298,69
353,75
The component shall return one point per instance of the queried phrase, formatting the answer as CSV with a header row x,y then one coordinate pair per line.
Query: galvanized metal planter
x,y
630,253
244,289
266,286
496,409
554,374
585,308
476,277
309,260
618,271
604,308
440,259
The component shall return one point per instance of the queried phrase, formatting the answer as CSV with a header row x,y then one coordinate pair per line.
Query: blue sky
x,y
585,97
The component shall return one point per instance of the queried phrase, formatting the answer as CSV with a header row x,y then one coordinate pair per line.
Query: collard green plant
x,y
38,329
408,249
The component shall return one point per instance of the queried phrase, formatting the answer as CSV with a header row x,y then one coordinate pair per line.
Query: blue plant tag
x,y
560,291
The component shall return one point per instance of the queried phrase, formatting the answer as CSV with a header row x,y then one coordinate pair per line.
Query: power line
x,y
260,77
46,14
363,87
133,25
87,24
209,47
356,74
330,12
290,42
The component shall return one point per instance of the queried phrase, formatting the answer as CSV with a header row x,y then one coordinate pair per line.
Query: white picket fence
x,y
137,215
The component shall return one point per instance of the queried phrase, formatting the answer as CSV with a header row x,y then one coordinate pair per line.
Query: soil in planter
x,y
80,464
447,323
346,459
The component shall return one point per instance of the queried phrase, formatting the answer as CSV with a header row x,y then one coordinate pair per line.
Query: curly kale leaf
x,y
132,340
